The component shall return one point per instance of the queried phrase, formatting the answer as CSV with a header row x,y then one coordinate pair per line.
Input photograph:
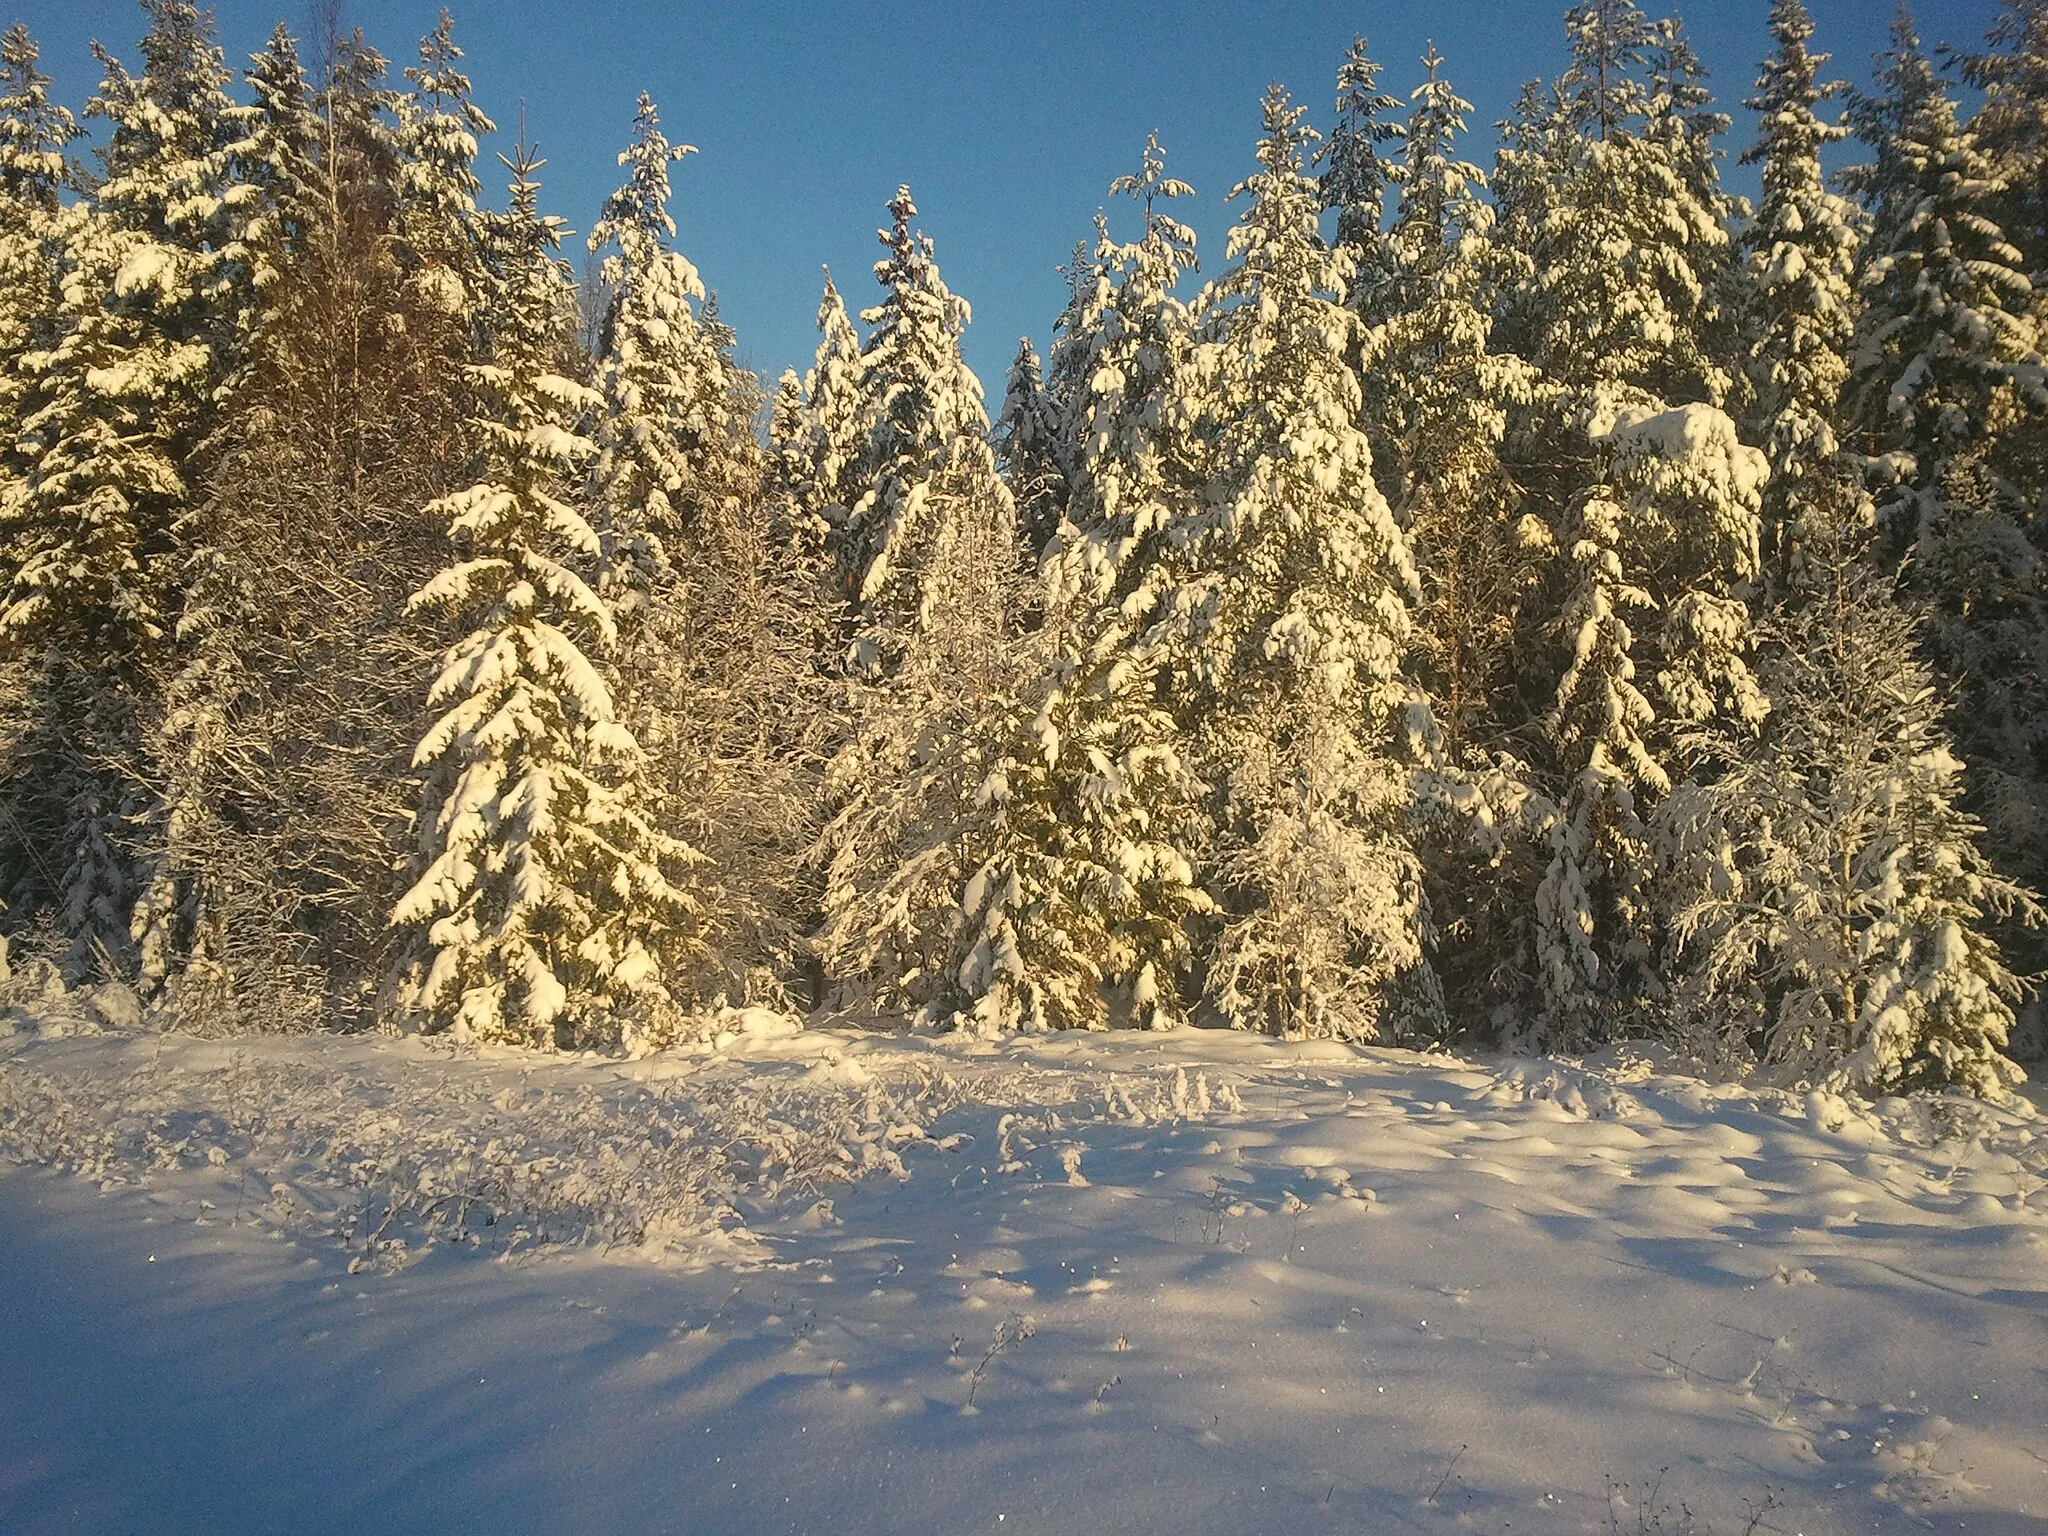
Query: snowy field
x,y
842,1283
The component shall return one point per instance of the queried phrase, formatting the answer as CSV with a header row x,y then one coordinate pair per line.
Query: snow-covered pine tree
x,y
152,293
663,390
2011,127
1840,895
786,426
1947,366
1439,399
1684,123
1070,359
1078,915
1948,339
33,134
542,909
1800,262
706,675
1437,404
181,927
342,422
1285,623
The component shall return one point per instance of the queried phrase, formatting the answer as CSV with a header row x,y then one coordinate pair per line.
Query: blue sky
x,y
1007,117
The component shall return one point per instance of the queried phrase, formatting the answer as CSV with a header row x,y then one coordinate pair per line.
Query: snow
x,y
1187,1280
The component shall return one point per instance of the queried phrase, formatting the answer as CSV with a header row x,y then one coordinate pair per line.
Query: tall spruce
x,y
542,907
1613,220
34,132
117,408
1947,372
1800,256
1285,618
928,558
830,449
1078,915
1837,924
928,467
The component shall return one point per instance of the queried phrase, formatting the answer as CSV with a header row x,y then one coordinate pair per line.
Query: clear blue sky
x,y
1007,117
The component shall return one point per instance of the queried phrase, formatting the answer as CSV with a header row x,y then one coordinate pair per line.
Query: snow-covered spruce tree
x,y
1285,623
341,423
1947,367
1028,450
1657,634
1686,125
1437,403
1948,340
116,408
707,680
33,134
787,429
2011,127
438,128
819,468
1440,400
1800,262
182,927
1357,173
928,464
928,563
1838,892
1077,916
664,393
542,909
1070,359
1615,240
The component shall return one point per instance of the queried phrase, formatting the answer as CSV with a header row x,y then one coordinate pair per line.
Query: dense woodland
x,y
1534,607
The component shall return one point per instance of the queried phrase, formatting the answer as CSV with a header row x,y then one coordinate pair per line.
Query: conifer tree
x,y
1838,927
181,926
1357,175
147,325
928,559
1948,337
1439,399
1607,202
1077,917
2011,127
664,396
836,426
1070,359
1947,371
542,907
1801,266
33,134
1657,634
928,466
438,128
1285,621
1028,448
699,595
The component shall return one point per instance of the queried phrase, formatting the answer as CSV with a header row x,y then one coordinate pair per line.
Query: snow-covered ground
x,y
1183,1283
